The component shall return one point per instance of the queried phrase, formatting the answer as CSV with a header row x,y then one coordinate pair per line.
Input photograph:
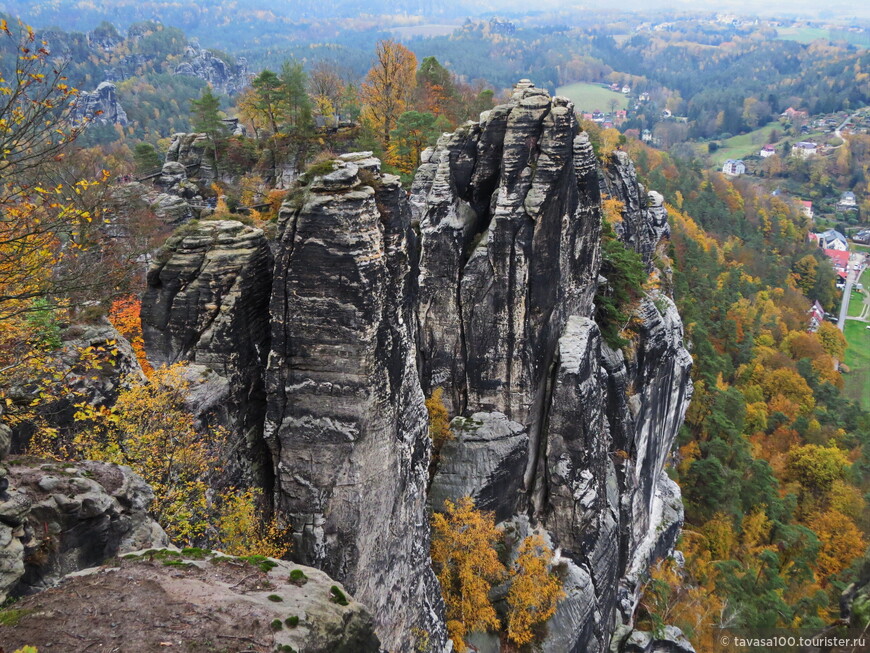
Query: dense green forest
x,y
773,459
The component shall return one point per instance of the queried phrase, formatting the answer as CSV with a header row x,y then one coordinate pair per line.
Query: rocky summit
x,y
481,282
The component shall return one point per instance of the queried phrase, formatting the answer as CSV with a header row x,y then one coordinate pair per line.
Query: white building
x,y
766,151
847,202
833,239
734,167
805,149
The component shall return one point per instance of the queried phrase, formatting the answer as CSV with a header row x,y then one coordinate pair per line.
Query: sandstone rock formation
x,y
100,107
224,77
194,601
207,303
346,420
483,283
56,518
509,262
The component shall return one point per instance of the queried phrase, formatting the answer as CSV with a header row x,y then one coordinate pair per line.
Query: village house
x,y
734,167
766,151
847,202
840,261
791,113
805,149
832,240
817,315
807,208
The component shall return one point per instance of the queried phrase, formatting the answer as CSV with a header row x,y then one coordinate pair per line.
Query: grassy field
x,y
743,145
858,359
592,97
856,304
802,34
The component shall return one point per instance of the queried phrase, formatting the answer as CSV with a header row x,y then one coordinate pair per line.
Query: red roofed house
x,y
817,314
807,208
839,259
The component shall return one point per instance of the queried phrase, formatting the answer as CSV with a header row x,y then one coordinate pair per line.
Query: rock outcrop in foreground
x,y
56,518
482,283
194,601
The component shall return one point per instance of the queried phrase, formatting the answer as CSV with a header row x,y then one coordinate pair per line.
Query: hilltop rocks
x,y
62,517
100,107
483,282
224,77
346,420
195,601
207,303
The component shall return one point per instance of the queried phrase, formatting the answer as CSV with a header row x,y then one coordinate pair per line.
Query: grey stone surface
x,y
207,303
224,77
509,215
63,517
346,420
485,461
190,603
100,106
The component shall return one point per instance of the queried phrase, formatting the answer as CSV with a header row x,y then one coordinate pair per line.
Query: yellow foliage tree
x,y
150,429
439,419
388,87
243,532
467,567
534,590
841,542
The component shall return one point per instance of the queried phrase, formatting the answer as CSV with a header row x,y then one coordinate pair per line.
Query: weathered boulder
x,y
346,422
63,517
192,150
485,461
195,601
171,209
670,640
207,303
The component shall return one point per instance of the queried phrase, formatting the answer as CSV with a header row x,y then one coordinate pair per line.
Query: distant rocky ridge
x,y
99,107
224,77
482,283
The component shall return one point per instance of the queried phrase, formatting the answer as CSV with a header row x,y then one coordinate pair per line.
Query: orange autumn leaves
x,y
124,316
468,567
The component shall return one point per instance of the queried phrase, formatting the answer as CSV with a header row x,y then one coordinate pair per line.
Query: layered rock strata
x,y
207,303
346,421
483,283
509,263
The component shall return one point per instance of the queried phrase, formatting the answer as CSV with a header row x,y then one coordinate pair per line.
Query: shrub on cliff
x,y
623,268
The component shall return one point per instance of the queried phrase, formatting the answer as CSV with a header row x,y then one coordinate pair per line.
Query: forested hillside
x,y
773,459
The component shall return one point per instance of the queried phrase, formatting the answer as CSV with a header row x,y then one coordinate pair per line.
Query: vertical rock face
x,y
346,418
483,283
509,221
207,303
100,106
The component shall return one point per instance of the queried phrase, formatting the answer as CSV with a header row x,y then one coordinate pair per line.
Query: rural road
x,y
851,277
